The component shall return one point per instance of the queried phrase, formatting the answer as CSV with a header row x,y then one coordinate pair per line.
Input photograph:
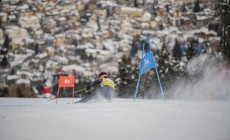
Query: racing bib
x,y
107,82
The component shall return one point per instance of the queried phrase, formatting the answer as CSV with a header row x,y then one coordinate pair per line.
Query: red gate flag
x,y
66,81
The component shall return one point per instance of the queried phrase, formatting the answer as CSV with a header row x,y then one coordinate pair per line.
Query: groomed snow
x,y
122,119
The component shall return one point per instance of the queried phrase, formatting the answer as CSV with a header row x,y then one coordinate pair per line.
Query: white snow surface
x,y
121,119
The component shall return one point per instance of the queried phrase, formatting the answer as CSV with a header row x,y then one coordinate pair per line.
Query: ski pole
x,y
79,90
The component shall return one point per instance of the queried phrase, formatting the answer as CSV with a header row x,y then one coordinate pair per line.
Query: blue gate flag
x,y
147,63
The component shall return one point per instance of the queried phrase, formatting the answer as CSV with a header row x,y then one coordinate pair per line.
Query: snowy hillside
x,y
123,119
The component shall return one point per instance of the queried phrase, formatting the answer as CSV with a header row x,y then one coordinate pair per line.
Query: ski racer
x,y
105,89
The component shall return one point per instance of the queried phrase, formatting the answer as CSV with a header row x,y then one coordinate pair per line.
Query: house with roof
x,y
185,23
71,32
2,37
128,11
203,19
175,21
23,78
92,5
28,21
160,10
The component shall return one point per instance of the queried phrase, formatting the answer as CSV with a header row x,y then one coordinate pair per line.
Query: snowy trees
x,y
224,12
21,90
177,52
6,46
4,62
4,50
126,77
197,7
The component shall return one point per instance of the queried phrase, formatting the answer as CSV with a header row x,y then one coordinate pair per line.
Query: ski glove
x,y
87,88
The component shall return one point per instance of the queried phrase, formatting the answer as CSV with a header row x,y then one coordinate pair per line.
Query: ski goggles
x,y
103,76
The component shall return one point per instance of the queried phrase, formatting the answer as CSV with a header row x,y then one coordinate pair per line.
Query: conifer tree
x,y
224,12
4,62
6,45
197,7
36,48
127,77
135,3
123,75
177,52
148,84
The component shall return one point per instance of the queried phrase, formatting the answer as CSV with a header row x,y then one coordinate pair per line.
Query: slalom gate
x,y
65,82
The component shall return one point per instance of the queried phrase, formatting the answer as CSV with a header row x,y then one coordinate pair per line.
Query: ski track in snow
x,y
122,119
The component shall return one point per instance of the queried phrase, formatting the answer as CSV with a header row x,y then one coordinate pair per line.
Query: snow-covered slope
x,y
122,119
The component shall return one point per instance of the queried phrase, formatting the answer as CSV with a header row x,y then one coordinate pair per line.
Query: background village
x,y
40,38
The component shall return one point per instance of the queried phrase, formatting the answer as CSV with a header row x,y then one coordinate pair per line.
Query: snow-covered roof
x,y
151,32
60,59
16,62
131,9
91,51
73,34
105,3
42,55
203,29
201,17
11,77
23,7
92,25
156,43
146,16
75,67
23,81
19,41
109,67
61,35
85,46
108,44
50,48
67,46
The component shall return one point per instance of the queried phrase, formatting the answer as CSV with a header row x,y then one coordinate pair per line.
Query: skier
x,y
106,89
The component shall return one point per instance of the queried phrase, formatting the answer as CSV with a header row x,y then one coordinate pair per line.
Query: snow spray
x,y
210,80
